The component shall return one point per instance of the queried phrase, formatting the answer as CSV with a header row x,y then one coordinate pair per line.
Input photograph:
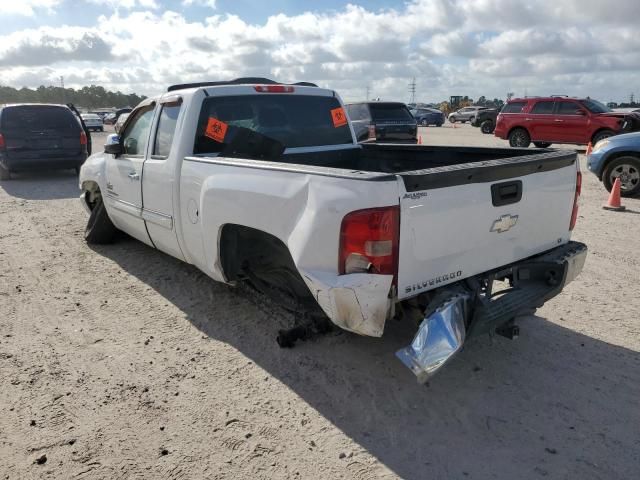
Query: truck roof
x,y
237,81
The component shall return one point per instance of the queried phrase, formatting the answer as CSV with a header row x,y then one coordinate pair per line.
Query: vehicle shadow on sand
x,y
553,403
42,185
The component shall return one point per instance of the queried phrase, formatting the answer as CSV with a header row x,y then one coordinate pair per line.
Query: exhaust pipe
x,y
440,336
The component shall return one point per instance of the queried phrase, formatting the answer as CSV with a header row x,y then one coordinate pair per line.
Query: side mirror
x,y
581,112
113,146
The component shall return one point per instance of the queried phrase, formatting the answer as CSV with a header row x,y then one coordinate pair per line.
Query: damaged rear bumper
x,y
463,311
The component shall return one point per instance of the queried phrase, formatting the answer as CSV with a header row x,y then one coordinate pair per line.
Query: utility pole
x,y
412,90
62,86
631,98
366,97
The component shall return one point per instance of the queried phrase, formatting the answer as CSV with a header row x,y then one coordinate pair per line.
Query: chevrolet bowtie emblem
x,y
504,223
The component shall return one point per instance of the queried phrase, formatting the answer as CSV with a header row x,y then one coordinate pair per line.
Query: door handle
x,y
133,176
558,120
527,119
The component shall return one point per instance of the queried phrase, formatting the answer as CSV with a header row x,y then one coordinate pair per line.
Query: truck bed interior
x,y
392,158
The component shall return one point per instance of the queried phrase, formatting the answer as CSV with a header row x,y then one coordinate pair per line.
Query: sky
x,y
450,47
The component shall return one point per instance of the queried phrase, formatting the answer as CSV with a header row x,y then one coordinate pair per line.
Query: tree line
x,y
86,97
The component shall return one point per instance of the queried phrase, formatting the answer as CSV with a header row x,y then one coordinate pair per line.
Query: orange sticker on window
x,y
216,129
338,116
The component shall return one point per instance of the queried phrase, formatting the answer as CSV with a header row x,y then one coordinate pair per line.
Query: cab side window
x,y
358,112
543,108
568,108
166,129
136,134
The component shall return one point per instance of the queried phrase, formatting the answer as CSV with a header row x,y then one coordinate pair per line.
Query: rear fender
x,y
304,212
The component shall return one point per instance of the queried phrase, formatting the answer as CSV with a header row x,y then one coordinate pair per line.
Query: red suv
x,y
547,120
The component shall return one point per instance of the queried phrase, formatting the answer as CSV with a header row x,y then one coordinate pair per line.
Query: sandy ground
x,y
121,362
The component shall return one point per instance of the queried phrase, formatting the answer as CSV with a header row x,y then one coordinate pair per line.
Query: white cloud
x,y
127,4
27,7
463,47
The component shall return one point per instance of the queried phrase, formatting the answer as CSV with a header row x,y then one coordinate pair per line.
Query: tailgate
x,y
462,220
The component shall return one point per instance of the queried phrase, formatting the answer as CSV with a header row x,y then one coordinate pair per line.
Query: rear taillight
x,y
274,88
1,141
83,138
369,241
576,198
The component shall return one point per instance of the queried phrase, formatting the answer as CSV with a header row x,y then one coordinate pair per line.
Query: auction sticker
x,y
338,116
216,129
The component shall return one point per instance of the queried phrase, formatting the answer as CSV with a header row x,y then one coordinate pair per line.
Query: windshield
x,y
290,120
390,111
595,106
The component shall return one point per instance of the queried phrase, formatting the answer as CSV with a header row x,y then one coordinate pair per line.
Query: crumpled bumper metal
x,y
442,333
440,336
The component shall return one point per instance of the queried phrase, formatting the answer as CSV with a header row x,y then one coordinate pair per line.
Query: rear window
x,y
39,117
390,112
514,107
543,108
292,120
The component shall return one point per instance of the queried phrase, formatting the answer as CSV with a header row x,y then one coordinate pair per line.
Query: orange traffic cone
x,y
614,198
589,149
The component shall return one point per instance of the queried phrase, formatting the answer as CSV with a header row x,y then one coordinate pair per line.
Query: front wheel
x,y
99,227
542,144
487,127
424,122
627,169
601,135
519,138
452,119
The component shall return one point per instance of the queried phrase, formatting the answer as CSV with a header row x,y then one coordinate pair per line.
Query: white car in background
x,y
120,122
93,122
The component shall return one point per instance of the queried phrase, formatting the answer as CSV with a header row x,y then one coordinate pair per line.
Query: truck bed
x,y
423,167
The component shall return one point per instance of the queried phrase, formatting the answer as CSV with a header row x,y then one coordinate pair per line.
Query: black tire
x,y
542,144
99,229
452,119
487,127
424,122
471,120
4,173
519,138
628,169
601,135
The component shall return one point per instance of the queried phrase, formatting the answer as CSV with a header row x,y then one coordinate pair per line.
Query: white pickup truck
x,y
256,181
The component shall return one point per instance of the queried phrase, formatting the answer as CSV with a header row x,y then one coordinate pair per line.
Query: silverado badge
x,y
504,223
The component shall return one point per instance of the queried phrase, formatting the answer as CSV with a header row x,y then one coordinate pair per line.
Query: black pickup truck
x,y
486,120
